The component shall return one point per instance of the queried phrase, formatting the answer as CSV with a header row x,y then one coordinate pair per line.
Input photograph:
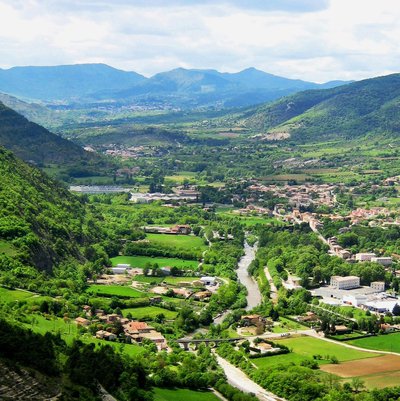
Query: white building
x,y
364,257
355,300
378,286
383,260
208,280
345,283
381,306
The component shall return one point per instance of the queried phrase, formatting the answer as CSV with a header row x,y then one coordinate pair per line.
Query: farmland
x,y
115,290
162,394
307,347
388,342
149,312
186,242
141,261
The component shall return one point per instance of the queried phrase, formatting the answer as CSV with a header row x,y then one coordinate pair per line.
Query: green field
x,y
117,290
162,394
140,261
176,280
187,242
386,342
252,220
285,325
149,311
306,347
7,295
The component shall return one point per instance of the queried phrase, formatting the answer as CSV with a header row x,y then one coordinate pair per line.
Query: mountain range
x,y
183,88
353,110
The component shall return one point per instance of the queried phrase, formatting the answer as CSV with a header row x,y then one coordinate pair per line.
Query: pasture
x,y
141,261
115,290
149,312
163,394
186,242
306,347
385,342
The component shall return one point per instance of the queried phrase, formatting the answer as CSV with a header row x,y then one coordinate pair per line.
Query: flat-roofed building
x,y
383,260
379,286
365,257
345,283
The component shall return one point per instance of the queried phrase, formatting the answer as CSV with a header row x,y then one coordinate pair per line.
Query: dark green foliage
x,y
40,218
350,110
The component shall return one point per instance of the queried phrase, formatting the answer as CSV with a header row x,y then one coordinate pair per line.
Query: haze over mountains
x,y
92,83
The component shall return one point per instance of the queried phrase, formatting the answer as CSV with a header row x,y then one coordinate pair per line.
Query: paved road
x,y
239,380
274,291
253,297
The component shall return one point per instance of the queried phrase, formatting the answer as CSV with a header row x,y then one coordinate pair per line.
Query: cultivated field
x,y
381,371
150,312
306,347
117,290
162,394
387,342
141,261
187,242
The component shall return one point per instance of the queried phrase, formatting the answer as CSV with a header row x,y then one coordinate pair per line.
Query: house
x,y
364,257
386,328
345,283
202,295
81,321
378,286
252,320
166,270
183,229
309,317
211,281
383,260
340,329
138,331
155,300
105,335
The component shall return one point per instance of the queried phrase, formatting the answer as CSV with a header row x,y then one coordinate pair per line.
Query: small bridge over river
x,y
212,342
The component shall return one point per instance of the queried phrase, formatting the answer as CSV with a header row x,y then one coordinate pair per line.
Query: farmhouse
x,y
345,283
365,257
208,280
81,321
138,331
105,335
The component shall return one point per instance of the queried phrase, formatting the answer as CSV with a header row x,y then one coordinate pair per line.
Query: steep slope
x,y
30,141
359,108
41,223
64,82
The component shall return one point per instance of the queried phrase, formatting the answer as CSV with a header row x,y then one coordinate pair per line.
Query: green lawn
x,y
140,261
387,342
149,311
187,242
162,394
117,290
7,295
305,347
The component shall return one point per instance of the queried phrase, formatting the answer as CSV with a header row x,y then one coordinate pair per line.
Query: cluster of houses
x,y
179,229
302,195
133,331
254,324
178,195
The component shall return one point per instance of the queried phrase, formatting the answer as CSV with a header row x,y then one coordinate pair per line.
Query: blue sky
x,y
316,40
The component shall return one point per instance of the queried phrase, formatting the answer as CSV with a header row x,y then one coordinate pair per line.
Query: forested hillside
x,y
41,223
359,108
32,142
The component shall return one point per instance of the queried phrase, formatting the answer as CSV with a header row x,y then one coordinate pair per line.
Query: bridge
x,y
213,341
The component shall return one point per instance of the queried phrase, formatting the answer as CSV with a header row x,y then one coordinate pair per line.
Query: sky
x,y
313,40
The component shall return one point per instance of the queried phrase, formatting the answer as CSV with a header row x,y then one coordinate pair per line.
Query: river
x,y
254,297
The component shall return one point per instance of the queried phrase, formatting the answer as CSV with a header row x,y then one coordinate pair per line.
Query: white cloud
x,y
308,39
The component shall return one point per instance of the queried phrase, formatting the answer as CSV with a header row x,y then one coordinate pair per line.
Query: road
x,y
253,297
274,291
238,379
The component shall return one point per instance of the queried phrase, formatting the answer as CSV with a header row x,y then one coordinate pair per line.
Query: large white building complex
x,y
345,283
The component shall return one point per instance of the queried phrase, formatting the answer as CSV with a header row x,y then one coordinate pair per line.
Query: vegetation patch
x,y
385,342
149,312
163,394
142,261
115,290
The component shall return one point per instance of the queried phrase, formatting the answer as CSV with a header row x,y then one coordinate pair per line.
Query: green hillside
x,y
41,223
365,107
32,142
